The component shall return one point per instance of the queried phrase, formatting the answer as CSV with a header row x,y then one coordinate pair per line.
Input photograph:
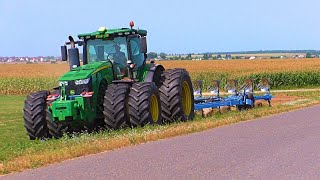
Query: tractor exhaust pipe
x,y
74,60
72,43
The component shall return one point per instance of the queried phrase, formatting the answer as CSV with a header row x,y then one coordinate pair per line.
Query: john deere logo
x,y
72,92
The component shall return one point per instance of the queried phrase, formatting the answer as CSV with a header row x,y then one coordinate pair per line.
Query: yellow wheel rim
x,y
154,108
186,98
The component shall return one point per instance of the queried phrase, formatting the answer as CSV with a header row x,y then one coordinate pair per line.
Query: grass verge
x,y
17,153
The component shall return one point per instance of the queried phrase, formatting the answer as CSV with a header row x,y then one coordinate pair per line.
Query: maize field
x,y
283,73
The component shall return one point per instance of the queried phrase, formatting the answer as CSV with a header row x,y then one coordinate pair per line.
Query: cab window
x,y
137,56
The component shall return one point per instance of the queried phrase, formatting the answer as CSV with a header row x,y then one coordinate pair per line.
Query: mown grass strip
x,y
41,153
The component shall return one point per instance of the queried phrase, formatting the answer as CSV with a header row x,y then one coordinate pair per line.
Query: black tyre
x,y
99,122
35,115
144,104
115,106
56,128
176,95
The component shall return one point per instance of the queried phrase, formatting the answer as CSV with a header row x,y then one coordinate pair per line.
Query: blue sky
x,y
37,27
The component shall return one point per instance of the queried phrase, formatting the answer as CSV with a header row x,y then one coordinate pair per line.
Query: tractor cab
x,y
124,48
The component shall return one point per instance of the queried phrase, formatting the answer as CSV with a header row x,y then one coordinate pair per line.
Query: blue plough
x,y
242,99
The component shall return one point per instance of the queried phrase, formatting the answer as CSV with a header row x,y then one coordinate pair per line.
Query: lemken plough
x,y
244,98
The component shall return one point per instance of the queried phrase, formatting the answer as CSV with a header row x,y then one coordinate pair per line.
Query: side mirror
x,y
143,45
64,54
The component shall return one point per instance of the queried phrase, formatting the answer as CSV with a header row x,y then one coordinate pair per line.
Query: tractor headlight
x,y
65,83
82,81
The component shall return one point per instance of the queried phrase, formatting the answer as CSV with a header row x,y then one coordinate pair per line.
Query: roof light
x,y
102,30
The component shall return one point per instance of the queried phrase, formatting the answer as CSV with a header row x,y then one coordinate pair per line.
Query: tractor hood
x,y
85,71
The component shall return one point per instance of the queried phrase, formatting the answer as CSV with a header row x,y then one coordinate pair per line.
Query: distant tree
x,y
152,55
228,56
309,55
189,57
219,56
205,56
163,55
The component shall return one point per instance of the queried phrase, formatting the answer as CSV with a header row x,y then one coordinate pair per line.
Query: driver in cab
x,y
119,57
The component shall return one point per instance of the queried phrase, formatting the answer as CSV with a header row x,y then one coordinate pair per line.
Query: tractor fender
x,y
154,73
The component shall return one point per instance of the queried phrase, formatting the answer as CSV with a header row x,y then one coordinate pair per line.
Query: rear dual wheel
x,y
144,104
176,95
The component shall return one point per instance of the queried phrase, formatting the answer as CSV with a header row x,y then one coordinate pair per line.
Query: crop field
x,y
263,55
284,73
17,153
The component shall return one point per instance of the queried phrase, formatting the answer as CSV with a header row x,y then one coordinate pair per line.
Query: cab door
x,y
136,55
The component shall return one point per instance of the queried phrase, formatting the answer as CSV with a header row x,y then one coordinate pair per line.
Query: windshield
x,y
104,50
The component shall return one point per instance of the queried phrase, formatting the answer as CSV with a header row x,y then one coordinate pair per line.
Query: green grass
x,y
17,152
13,138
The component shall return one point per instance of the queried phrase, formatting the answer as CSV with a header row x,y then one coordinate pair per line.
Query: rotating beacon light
x,y
131,24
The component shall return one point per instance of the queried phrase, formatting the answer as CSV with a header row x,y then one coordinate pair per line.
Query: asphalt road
x,y
285,146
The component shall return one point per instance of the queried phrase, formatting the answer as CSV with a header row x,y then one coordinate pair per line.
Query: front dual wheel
x,y
37,118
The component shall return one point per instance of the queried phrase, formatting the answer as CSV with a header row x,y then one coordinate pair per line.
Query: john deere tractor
x,y
113,88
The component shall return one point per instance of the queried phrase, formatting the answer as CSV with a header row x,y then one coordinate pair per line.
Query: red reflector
x,y
87,94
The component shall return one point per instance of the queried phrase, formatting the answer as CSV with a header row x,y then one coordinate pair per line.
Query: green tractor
x,y
113,88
